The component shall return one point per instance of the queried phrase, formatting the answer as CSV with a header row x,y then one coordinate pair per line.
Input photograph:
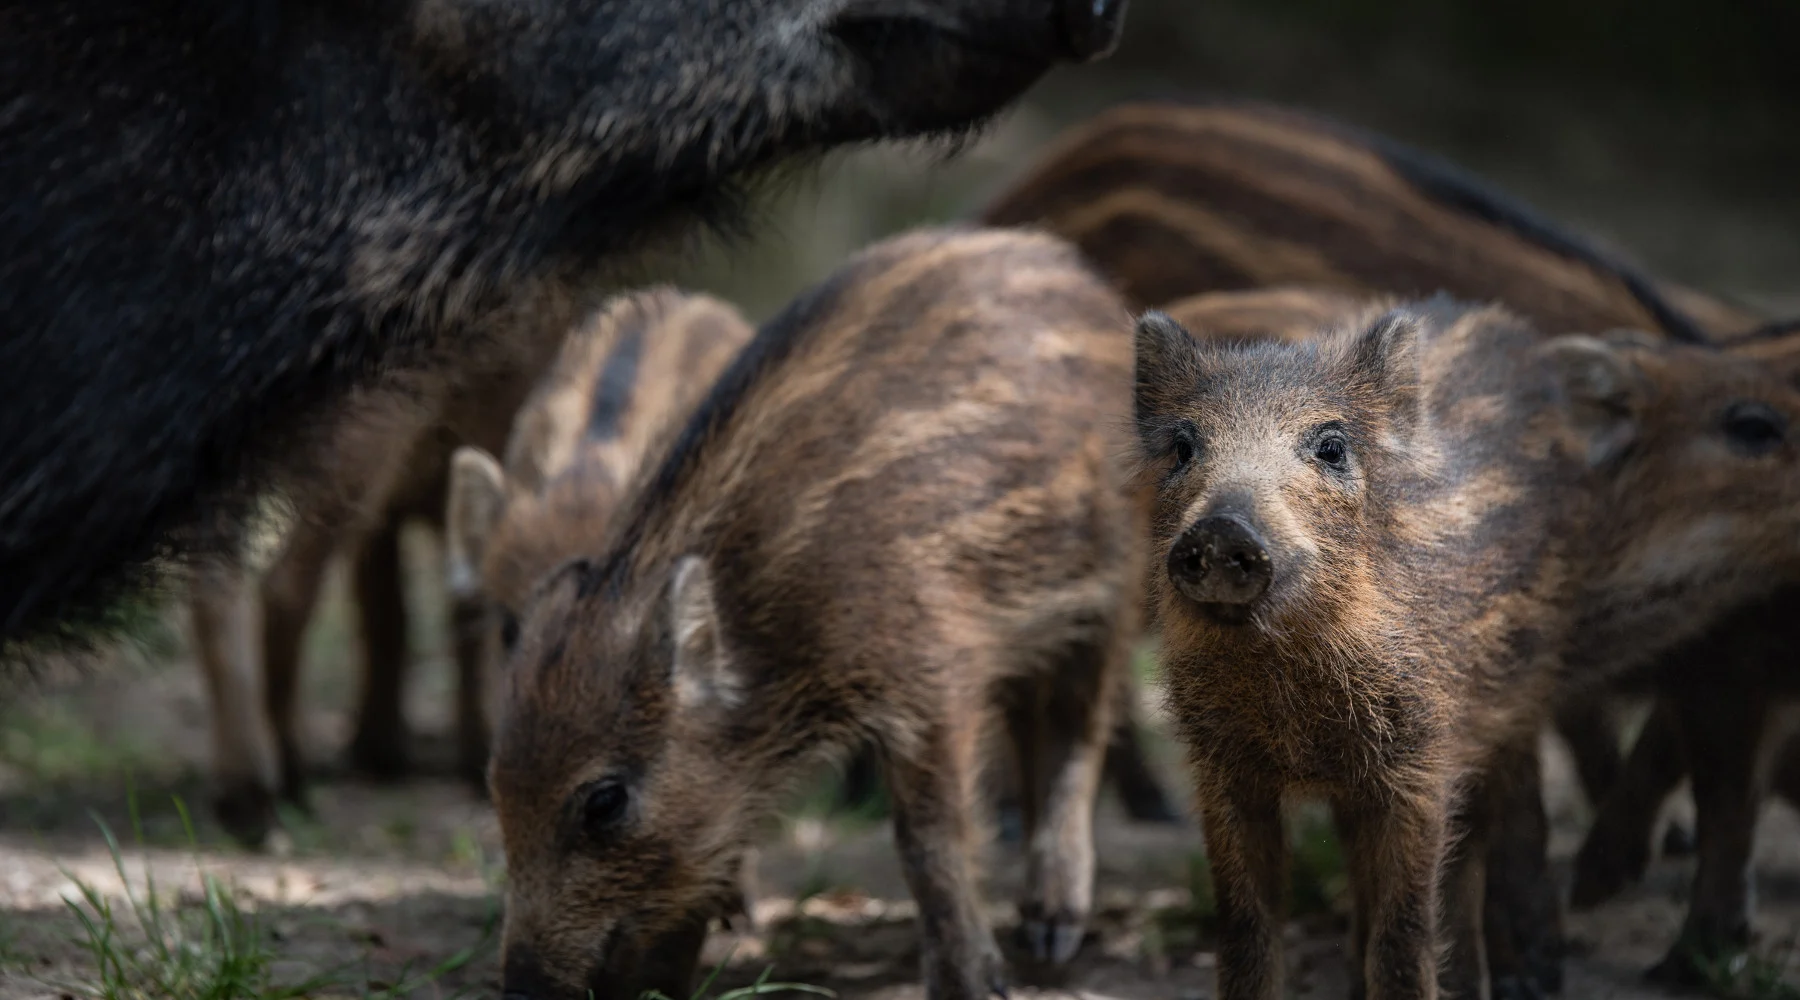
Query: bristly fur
x,y
903,510
773,342
566,485
1175,197
1181,197
222,215
1773,330
1505,525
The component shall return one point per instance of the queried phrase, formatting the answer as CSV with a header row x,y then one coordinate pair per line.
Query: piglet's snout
x,y
1221,560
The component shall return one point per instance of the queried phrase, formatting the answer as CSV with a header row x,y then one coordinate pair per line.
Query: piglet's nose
x,y
1221,560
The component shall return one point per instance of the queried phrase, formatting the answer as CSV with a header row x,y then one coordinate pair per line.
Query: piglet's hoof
x,y
1052,940
983,972
246,810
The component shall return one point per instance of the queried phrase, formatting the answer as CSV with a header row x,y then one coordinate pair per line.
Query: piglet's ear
x,y
477,499
1168,368
1384,362
1602,394
701,672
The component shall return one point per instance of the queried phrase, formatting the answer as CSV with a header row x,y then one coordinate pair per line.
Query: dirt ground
x,y
393,891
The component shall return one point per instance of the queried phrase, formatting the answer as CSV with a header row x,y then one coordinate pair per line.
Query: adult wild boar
x,y
220,215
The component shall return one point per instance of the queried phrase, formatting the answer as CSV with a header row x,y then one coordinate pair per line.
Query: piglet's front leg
x,y
1396,849
1248,853
934,830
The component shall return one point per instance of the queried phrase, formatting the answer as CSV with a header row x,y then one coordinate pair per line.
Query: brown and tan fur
x,y
1722,715
901,516
1717,697
1177,199
388,456
623,384
1502,518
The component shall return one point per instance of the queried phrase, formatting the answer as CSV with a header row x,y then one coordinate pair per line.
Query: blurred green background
x,y
1665,129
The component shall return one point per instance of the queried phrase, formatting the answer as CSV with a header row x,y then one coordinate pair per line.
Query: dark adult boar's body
x,y
901,509
1386,548
218,215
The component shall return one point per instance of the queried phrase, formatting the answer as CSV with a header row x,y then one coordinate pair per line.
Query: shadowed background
x,y
1664,129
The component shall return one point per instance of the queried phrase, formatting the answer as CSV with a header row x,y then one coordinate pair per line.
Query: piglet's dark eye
x,y
1332,449
1184,451
604,807
509,630
1755,428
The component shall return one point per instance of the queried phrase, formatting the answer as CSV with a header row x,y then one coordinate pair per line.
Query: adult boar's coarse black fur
x,y
216,216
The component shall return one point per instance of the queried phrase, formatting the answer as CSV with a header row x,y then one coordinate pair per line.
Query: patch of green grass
x,y
1747,975
409,983
762,987
304,830
466,852
136,617
816,883
212,948
826,797
11,954
153,948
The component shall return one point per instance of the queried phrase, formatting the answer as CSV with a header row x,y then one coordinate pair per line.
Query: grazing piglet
x,y
898,518
622,386
1385,548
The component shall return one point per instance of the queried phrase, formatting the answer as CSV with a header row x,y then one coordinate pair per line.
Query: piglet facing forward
x,y
898,516
1385,548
